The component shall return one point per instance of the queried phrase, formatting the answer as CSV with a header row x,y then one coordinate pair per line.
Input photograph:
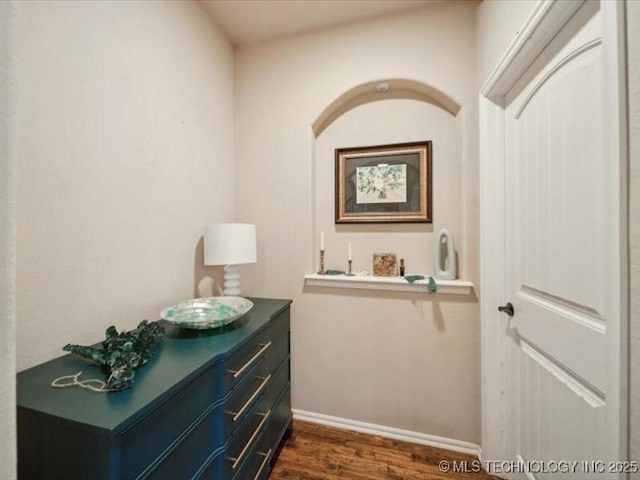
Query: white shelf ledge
x,y
456,287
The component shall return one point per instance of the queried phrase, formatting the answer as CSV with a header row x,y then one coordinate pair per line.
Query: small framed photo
x,y
384,184
385,265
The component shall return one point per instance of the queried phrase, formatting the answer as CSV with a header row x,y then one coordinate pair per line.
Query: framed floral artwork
x,y
384,184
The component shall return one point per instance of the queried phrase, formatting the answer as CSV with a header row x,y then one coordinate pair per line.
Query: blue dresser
x,y
211,404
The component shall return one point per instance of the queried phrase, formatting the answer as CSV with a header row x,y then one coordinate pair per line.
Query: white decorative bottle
x,y
444,260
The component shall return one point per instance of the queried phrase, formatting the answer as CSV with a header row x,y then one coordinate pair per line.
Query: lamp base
x,y
231,281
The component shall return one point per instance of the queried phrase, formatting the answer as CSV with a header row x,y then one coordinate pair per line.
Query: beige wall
x,y
633,64
7,249
124,153
404,361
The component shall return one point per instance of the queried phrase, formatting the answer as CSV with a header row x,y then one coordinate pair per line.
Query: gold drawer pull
x,y
237,460
264,462
237,415
237,373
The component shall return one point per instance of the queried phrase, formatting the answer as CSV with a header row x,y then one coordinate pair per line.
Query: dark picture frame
x,y
384,184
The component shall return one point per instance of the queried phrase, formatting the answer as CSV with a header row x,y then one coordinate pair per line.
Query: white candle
x,y
350,254
321,240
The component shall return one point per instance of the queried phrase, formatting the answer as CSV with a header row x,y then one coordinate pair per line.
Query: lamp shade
x,y
229,244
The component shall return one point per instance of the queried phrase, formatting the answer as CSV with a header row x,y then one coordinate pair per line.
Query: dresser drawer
x,y
244,441
149,438
255,466
260,416
189,452
213,470
245,395
279,326
279,421
277,352
279,336
242,361
259,454
279,381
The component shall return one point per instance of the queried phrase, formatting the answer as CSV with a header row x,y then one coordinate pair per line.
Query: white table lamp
x,y
230,244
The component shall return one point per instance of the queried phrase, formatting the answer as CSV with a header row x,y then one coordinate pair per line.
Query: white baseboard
x,y
389,432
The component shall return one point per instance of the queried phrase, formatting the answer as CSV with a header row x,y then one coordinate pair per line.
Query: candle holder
x,y
349,273
322,271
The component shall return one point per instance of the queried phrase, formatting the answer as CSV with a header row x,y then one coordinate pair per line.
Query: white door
x,y
560,397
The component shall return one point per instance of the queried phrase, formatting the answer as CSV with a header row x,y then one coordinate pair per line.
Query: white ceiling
x,y
254,21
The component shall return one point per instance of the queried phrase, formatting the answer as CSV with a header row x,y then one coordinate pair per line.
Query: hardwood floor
x,y
316,452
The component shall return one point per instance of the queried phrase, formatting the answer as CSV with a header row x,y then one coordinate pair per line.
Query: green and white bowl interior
x,y
211,312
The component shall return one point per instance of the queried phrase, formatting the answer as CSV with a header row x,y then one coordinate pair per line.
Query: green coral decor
x,y
121,354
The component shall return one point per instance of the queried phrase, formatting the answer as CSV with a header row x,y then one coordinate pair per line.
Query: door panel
x,y
556,251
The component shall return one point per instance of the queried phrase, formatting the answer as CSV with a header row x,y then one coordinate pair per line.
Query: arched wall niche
x,y
398,89
408,111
